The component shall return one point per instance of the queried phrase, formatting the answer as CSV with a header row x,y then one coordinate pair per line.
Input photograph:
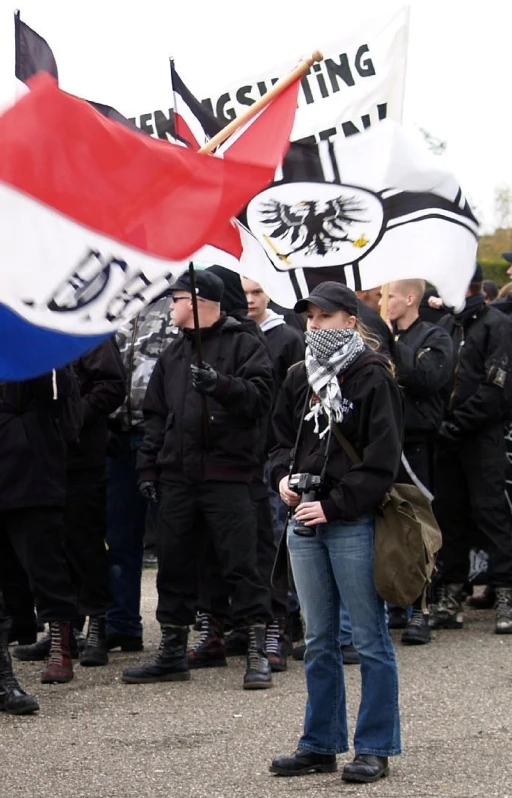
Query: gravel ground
x,y
99,738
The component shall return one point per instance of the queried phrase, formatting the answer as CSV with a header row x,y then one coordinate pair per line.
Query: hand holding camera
x,y
309,512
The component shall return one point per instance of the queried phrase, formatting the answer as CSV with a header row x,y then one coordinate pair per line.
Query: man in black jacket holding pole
x,y
203,423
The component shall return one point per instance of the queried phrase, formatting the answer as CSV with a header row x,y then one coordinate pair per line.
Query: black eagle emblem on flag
x,y
313,227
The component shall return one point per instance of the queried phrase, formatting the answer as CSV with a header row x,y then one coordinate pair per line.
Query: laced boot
x,y
447,612
417,631
37,652
94,653
13,699
258,675
277,645
210,651
503,611
485,601
170,663
59,668
237,642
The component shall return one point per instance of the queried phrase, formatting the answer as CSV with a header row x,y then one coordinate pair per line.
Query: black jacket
x,y
174,447
483,359
286,346
378,327
32,443
102,379
424,366
372,423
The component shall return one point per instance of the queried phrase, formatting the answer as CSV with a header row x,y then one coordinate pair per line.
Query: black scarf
x,y
472,309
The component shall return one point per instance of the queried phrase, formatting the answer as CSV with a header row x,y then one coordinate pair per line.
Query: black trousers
x,y
224,511
213,590
34,536
85,519
5,622
470,504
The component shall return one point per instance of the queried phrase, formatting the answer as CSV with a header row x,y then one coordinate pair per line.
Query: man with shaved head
x,y
424,366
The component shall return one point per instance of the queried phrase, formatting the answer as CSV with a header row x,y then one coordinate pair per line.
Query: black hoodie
x,y
372,423
174,448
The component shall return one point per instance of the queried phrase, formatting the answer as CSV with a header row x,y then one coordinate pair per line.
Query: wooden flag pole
x,y
254,109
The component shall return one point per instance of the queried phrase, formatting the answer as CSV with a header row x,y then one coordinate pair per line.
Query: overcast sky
x,y
458,75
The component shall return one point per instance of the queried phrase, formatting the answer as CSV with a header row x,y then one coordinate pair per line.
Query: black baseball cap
x,y
330,296
208,285
507,256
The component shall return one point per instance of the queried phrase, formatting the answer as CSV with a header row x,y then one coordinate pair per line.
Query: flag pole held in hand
x,y
199,352
256,107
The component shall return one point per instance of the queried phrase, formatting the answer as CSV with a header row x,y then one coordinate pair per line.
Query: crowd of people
x,y
214,417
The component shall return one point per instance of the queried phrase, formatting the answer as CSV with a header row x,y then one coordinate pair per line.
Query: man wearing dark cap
x,y
470,471
203,422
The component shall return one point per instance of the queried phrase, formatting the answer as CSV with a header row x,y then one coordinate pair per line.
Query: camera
x,y
307,486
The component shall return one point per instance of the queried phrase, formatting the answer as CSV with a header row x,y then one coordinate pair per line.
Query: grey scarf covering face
x,y
329,353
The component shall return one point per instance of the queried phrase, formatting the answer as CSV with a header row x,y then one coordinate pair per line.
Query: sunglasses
x,y
177,298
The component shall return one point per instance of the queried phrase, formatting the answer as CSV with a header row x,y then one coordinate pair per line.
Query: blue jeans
x,y
334,568
125,536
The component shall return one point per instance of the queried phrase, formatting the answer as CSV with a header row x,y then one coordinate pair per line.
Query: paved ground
x,y
99,738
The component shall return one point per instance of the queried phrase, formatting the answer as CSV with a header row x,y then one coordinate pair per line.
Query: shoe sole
x,y
446,625
29,710
57,681
169,677
332,768
257,685
278,668
364,779
503,631
414,641
93,663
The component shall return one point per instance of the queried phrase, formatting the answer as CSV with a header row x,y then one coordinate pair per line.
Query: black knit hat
x,y
478,276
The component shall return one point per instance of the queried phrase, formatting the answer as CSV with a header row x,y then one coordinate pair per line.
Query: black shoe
x,y
417,631
350,655
447,610
37,652
302,762
397,618
25,634
124,642
237,642
298,652
366,767
94,653
258,675
170,663
13,699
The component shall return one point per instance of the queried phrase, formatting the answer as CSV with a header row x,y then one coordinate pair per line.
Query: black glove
x,y
450,432
148,491
204,379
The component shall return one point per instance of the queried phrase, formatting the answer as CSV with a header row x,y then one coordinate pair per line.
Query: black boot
x,y
277,645
302,762
94,652
210,651
366,768
37,652
13,699
258,675
237,642
170,663
417,631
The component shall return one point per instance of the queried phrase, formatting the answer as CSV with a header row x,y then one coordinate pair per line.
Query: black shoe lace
x,y
417,619
93,633
205,631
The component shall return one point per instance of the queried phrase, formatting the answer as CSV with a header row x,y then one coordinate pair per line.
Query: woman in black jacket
x,y
342,384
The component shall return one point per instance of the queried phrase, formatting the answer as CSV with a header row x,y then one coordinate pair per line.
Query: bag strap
x,y
346,445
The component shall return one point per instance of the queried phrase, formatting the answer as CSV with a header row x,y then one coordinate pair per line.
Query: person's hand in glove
x,y
204,378
450,432
148,491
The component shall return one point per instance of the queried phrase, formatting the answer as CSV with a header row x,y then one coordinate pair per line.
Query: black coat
x,y
372,423
32,444
424,366
286,346
102,379
174,446
483,361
